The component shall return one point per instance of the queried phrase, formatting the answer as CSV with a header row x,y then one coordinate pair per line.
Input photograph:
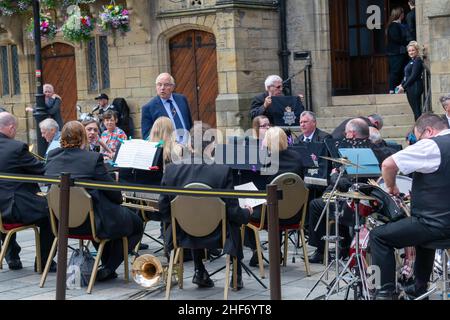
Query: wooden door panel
x,y
59,69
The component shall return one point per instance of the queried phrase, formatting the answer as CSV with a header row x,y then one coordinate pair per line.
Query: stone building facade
x,y
245,36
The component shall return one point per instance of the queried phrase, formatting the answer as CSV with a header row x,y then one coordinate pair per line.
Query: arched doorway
x,y
58,61
193,64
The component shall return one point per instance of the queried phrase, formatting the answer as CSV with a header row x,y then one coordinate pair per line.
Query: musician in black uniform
x,y
357,136
428,160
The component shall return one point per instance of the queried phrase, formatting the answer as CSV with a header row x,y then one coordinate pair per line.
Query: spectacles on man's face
x,y
278,87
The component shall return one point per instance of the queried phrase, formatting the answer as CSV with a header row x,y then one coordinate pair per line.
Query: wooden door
x,y
58,61
358,54
194,67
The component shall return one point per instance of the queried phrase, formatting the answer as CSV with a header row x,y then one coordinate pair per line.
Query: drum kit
x,y
355,272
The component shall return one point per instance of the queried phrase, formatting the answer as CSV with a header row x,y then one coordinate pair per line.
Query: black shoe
x,y
105,274
15,264
254,259
143,246
316,257
212,253
414,291
240,283
387,292
202,279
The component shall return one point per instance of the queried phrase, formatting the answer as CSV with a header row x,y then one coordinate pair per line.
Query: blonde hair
x,y
73,135
415,45
273,135
163,129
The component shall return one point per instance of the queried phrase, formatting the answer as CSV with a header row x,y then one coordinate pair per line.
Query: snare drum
x,y
403,183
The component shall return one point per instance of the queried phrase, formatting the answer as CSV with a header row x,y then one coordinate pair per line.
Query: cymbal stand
x,y
336,262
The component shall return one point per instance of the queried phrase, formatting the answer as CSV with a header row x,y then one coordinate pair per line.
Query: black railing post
x,y
274,242
63,230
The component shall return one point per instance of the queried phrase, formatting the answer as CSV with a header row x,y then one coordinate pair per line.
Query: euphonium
x,y
147,270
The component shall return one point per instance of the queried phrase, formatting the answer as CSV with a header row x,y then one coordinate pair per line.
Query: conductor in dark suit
x,y
310,132
167,104
19,202
217,176
262,103
112,221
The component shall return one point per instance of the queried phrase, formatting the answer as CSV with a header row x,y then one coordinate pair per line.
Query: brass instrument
x,y
30,149
147,270
326,195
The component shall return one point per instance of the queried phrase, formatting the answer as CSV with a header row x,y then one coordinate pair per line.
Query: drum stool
x,y
445,246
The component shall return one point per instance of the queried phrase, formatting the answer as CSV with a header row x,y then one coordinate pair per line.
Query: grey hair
x,y
444,98
374,135
48,85
430,120
49,124
359,126
7,119
309,113
270,80
172,80
378,119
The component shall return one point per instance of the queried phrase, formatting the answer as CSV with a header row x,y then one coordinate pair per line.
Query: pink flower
x,y
125,12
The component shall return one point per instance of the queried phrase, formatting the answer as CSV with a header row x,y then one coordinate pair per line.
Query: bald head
x,y
356,129
8,124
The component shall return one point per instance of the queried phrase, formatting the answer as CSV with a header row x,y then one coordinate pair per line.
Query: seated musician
x,y
310,132
260,124
93,135
428,160
162,130
276,141
112,220
357,136
374,120
50,132
20,202
217,176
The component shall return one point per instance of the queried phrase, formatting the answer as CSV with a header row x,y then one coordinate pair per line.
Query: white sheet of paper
x,y
136,153
248,201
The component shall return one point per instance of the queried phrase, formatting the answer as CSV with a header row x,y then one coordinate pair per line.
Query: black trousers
x,y
414,96
46,238
199,254
396,69
407,232
315,237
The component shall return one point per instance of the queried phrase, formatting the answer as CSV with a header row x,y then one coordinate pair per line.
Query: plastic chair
x,y
295,197
198,217
80,209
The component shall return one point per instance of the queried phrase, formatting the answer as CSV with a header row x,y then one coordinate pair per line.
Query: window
x,y
9,70
98,64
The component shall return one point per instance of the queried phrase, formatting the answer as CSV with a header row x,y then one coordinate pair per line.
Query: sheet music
x,y
248,201
136,153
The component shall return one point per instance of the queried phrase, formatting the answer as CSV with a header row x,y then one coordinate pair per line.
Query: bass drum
x,y
403,183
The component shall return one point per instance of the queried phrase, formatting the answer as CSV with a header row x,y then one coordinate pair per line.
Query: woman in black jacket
x,y
112,221
412,82
396,47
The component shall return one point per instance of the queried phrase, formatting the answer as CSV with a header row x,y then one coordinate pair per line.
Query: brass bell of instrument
x,y
147,270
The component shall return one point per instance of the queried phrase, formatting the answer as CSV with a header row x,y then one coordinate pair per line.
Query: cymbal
x,y
354,195
343,161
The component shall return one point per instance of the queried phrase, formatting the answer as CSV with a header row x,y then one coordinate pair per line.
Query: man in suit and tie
x,y
310,132
167,104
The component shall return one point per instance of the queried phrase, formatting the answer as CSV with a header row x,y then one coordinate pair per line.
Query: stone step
x,y
365,110
371,99
391,120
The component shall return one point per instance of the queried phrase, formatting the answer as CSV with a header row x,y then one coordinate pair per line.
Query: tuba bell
x,y
147,270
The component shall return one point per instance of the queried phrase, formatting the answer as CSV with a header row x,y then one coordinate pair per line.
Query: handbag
x,y
79,268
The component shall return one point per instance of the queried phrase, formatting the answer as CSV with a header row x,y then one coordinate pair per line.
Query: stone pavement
x,y
24,284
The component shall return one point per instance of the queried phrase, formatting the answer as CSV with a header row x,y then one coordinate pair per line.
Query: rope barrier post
x,y
274,242
63,230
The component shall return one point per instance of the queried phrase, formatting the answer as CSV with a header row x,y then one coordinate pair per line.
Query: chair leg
x,y
169,273
49,262
444,274
259,253
125,258
136,249
227,278
180,267
5,247
38,250
95,268
305,252
286,245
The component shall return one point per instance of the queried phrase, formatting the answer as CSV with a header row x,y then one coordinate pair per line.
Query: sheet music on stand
x,y
249,201
138,154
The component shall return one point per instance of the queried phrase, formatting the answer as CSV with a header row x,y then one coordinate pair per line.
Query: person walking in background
x,y
412,82
396,47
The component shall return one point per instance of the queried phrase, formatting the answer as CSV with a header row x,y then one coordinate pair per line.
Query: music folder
x,y
139,154
286,110
363,157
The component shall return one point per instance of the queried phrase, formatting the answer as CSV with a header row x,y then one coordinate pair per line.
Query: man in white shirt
x,y
429,161
445,101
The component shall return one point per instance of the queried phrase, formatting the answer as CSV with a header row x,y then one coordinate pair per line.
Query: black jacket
x,y
216,176
112,221
19,201
319,136
397,39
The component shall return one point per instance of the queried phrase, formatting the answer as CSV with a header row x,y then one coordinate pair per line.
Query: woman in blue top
x,y
412,82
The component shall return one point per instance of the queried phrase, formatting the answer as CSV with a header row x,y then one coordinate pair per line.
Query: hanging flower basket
x,y
47,27
10,7
113,19
78,28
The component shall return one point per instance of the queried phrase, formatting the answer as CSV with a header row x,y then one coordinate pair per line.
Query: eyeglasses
x,y
278,87
164,85
420,136
265,126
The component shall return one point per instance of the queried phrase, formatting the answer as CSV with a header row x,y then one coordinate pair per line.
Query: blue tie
x,y
176,117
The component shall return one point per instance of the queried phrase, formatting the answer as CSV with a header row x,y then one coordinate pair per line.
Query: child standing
x,y
112,136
